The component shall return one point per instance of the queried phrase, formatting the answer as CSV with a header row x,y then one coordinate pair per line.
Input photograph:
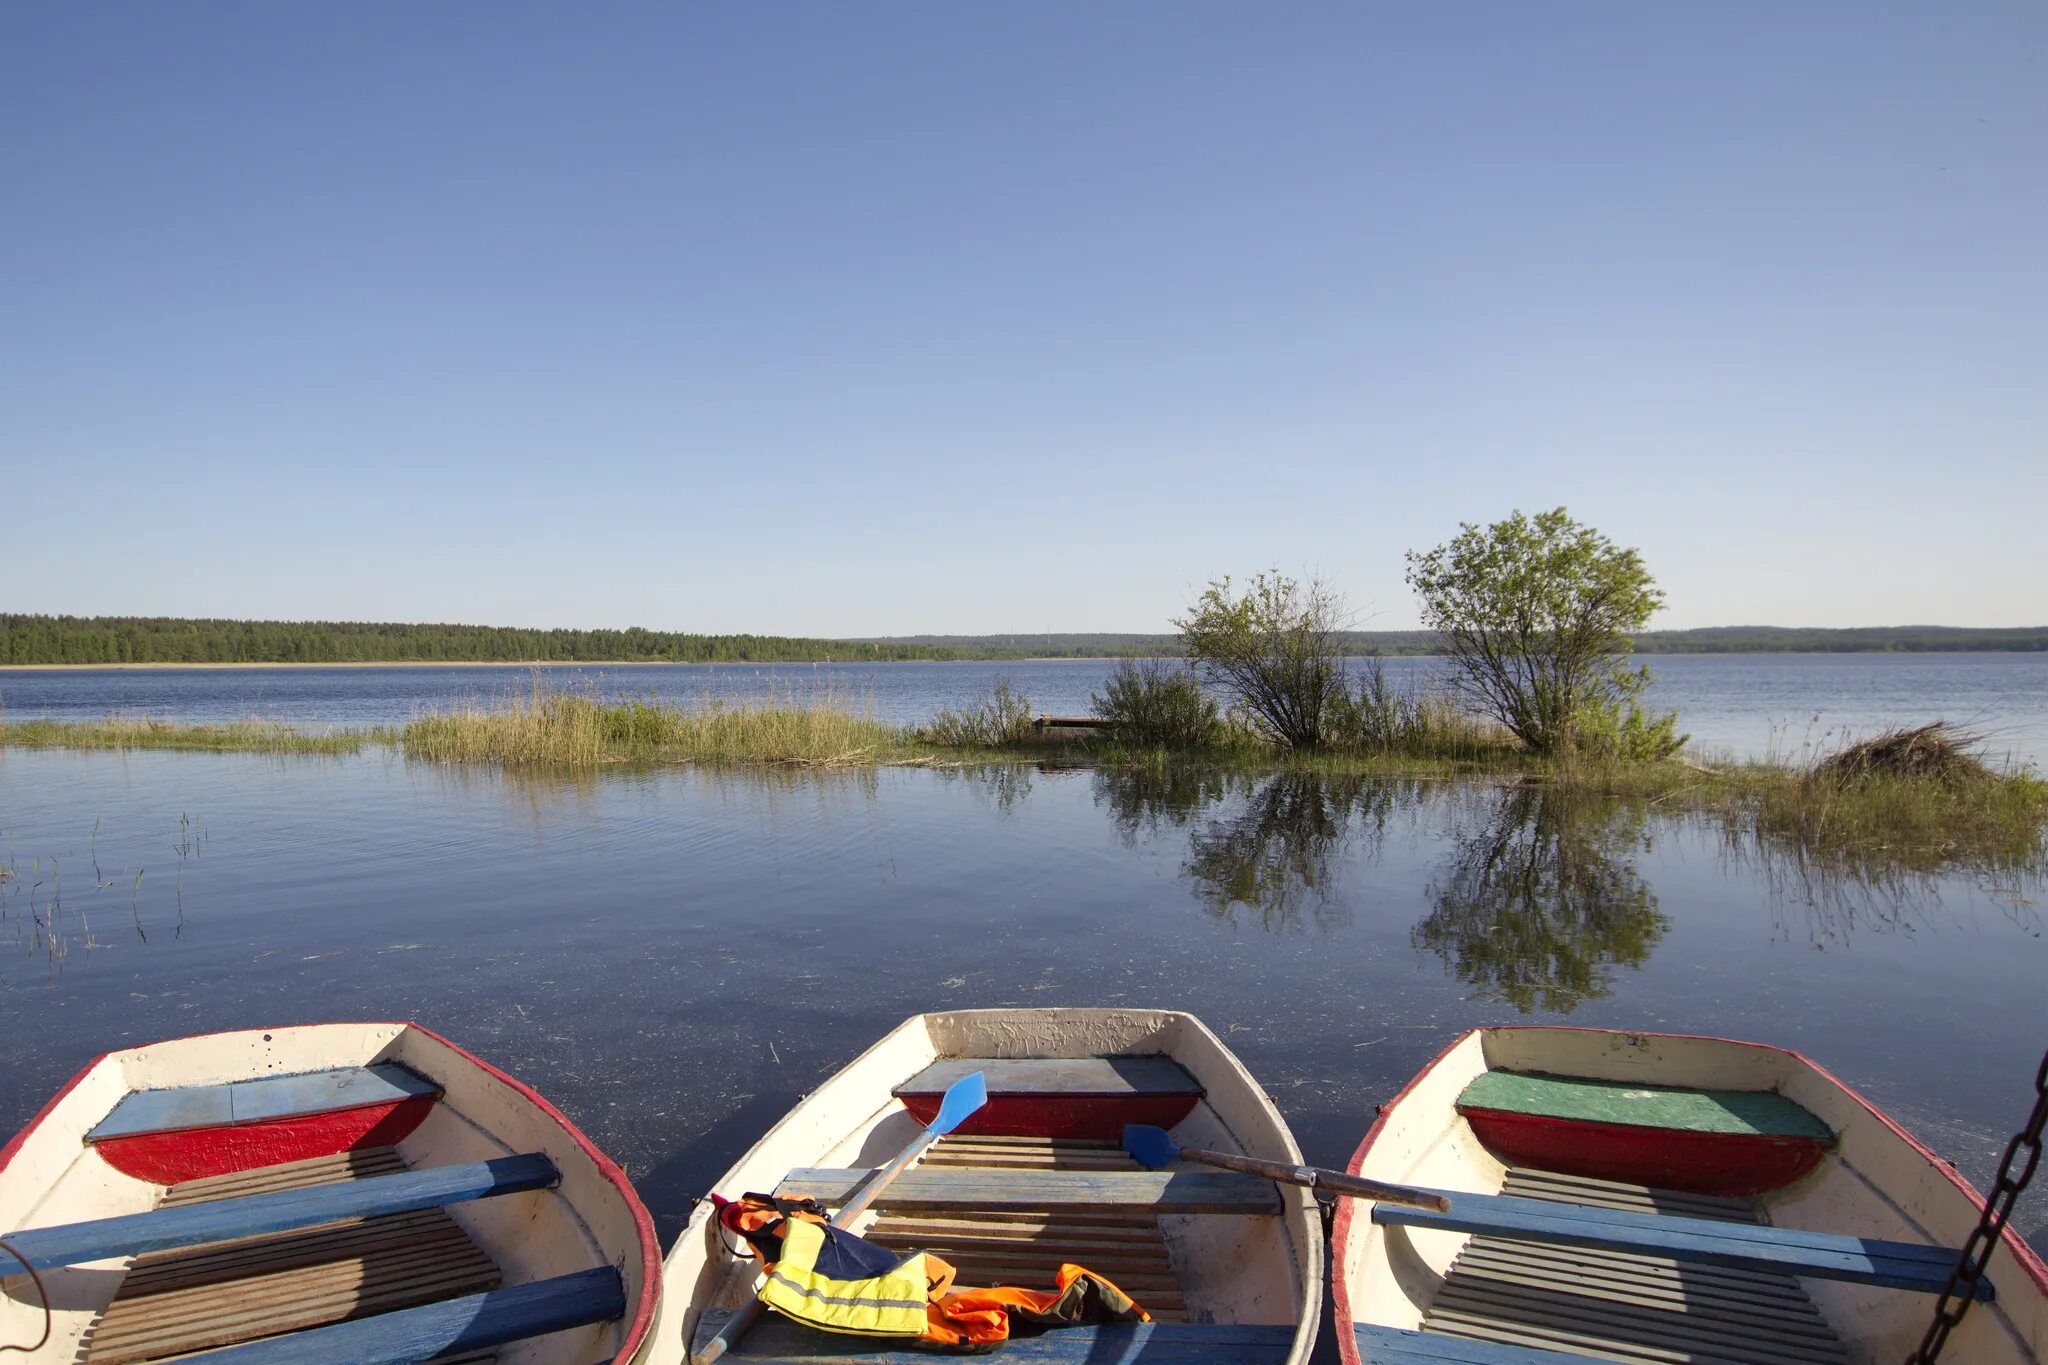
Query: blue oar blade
x,y
963,1097
1148,1146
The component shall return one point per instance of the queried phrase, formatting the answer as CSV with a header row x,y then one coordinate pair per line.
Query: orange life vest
x,y
956,1319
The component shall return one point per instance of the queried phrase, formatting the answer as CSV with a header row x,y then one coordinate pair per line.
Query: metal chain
x,y
2022,1155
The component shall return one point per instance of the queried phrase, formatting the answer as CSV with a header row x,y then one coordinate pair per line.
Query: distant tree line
x,y
28,639
1705,640
36,639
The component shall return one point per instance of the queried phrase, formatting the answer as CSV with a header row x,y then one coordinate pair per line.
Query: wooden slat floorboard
x,y
195,1299
1640,1309
1027,1248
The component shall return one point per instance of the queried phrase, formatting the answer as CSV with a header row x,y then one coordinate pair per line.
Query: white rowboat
x,y
1229,1266
1657,1198
329,1193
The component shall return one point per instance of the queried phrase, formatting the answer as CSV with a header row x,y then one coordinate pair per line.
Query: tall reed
x,y
586,730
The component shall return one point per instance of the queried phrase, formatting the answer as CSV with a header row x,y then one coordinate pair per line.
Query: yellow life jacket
x,y
840,1283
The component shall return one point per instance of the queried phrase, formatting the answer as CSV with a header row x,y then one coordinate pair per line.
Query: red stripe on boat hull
x,y
194,1153
1060,1116
1736,1164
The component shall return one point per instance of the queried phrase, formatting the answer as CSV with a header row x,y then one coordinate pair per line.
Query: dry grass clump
x,y
1938,752
145,732
561,728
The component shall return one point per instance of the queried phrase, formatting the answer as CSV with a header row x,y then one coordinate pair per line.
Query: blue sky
x,y
862,319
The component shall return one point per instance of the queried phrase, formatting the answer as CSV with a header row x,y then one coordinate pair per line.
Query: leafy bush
x,y
1617,726
1152,703
1003,721
1273,652
1536,614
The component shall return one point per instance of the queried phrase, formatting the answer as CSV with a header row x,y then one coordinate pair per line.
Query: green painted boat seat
x,y
222,1220
265,1097
1391,1346
936,1189
1059,1076
1758,1113
470,1323
1142,1343
1818,1255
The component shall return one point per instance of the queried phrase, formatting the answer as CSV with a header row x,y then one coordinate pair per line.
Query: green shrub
x,y
1001,722
1157,704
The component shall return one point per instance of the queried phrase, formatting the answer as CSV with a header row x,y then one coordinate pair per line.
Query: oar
x,y
1152,1148
963,1097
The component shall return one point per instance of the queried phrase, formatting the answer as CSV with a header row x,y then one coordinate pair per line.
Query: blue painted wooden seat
x,y
226,1219
473,1322
932,1189
1143,1343
261,1098
1391,1346
1740,1246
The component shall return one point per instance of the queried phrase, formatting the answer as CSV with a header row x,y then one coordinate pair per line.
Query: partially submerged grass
x,y
560,728
1919,801
1869,810
143,732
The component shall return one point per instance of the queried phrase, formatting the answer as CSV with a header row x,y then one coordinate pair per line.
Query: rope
x,y
42,1296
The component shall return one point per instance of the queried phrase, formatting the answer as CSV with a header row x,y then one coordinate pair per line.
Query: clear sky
x,y
884,318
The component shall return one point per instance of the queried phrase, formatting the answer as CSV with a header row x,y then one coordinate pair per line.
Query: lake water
x,y
675,956
1750,705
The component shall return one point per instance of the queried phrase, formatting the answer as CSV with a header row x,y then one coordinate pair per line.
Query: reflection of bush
x,y
1277,856
1536,904
1146,798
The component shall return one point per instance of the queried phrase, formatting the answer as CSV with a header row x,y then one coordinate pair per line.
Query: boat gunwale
x,y
1343,1230
636,1333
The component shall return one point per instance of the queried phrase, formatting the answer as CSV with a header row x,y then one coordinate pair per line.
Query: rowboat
x,y
329,1193
1651,1197
1228,1266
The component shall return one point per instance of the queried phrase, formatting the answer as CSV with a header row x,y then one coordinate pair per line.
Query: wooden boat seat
x,y
1058,1076
1859,1260
1523,1303
260,1099
437,1329
1393,1346
399,1279
936,1190
221,1220
1724,1142
1068,1097
1147,1343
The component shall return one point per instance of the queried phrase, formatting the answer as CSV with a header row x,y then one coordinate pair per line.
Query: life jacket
x,y
831,1279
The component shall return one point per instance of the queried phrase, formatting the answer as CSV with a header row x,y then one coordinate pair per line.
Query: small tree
x,y
1272,651
1536,615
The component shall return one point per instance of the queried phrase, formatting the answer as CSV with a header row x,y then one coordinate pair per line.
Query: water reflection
x,y
1828,900
1537,903
1541,899
1148,800
1274,859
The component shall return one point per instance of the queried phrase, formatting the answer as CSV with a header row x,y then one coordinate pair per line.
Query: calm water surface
x,y
675,957
1743,704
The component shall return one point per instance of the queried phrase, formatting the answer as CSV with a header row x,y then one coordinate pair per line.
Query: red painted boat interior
x,y
1060,1116
167,1158
1743,1164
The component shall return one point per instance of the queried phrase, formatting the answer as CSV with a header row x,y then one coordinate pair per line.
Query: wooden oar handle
x,y
1316,1178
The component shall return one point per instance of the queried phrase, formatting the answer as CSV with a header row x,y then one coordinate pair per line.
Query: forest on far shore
x,y
35,639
